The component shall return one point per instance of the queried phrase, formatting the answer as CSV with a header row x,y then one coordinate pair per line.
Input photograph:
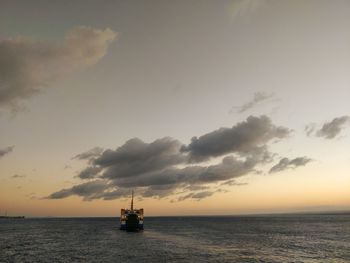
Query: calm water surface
x,y
288,238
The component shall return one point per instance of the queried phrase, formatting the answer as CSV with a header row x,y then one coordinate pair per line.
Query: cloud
x,y
331,129
286,163
196,187
198,196
90,154
229,168
89,172
17,176
87,190
29,65
67,166
159,191
310,129
136,156
111,195
6,151
259,98
328,130
244,137
233,182
31,196
167,167
161,183
243,8
97,189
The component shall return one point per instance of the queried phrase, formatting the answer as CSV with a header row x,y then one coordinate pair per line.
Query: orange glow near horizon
x,y
283,193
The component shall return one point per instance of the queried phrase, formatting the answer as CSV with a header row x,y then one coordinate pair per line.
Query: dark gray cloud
x,y
162,183
196,187
202,195
17,176
244,137
159,191
197,196
310,129
259,98
88,190
98,189
111,195
233,182
165,166
286,163
229,168
136,157
328,130
90,154
6,151
29,65
90,172
331,129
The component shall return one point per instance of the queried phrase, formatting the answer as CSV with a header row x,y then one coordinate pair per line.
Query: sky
x,y
202,107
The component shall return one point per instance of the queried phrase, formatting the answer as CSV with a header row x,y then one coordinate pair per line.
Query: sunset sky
x,y
202,107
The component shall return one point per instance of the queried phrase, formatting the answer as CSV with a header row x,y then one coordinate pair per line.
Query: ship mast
x,y
132,200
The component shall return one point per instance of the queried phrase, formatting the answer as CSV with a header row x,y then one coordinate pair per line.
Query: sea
x,y
270,238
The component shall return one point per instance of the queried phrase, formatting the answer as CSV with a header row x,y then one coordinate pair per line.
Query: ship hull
x,y
131,229
131,223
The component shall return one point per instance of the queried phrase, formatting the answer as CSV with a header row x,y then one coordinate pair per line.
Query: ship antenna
x,y
132,200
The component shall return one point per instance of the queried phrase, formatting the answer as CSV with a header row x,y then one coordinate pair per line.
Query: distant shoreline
x,y
12,217
343,212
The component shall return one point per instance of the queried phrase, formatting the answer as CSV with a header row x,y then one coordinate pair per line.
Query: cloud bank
x,y
29,65
166,166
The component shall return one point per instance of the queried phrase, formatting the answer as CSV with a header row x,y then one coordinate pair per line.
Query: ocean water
x,y
286,238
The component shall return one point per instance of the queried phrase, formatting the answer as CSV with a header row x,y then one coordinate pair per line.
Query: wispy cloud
x,y
286,163
328,130
17,176
233,182
29,65
6,151
310,129
90,154
243,8
259,98
67,166
197,196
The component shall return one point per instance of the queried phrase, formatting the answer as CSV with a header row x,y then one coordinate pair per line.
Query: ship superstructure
x,y
131,219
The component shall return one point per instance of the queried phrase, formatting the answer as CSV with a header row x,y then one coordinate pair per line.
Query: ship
x,y
131,219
